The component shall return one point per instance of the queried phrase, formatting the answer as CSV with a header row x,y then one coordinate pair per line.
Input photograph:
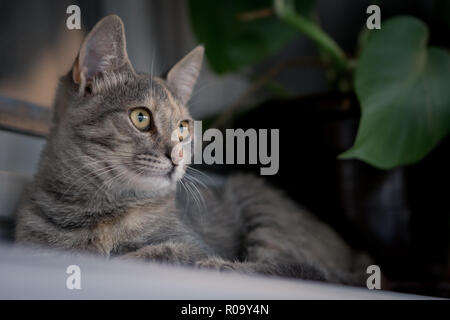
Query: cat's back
x,y
249,216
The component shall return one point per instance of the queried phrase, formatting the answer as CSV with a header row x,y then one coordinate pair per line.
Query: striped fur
x,y
98,189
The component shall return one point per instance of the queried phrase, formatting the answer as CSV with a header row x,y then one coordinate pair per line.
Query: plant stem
x,y
225,117
285,10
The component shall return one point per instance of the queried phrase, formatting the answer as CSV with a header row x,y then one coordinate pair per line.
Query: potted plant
x,y
367,156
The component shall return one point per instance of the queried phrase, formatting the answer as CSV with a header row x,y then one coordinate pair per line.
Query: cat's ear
x,y
103,50
183,75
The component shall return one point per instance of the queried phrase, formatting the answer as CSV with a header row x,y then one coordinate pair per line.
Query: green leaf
x,y
403,88
239,33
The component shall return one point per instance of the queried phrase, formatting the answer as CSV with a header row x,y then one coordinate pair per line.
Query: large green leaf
x,y
238,33
403,87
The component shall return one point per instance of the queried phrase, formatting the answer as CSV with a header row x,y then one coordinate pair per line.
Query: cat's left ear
x,y
183,75
103,50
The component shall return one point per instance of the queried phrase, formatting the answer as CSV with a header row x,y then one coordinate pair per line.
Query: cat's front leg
x,y
303,271
215,263
171,252
219,264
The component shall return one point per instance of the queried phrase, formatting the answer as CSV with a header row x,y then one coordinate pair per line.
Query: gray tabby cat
x,y
107,180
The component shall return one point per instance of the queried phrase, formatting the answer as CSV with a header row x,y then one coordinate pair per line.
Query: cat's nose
x,y
176,154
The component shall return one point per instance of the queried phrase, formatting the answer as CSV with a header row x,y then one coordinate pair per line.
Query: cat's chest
x,y
129,227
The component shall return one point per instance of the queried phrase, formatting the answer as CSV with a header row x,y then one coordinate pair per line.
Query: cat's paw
x,y
215,264
167,252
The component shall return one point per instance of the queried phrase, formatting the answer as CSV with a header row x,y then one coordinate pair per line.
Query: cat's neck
x,y
88,207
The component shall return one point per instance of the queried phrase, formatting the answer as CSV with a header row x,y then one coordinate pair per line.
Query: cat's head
x,y
121,127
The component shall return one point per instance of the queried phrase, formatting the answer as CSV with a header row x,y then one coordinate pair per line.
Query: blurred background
x,y
264,69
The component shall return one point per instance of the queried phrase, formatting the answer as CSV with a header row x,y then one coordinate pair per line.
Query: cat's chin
x,y
159,180
153,183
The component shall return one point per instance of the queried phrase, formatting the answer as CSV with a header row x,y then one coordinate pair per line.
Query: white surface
x,y
24,275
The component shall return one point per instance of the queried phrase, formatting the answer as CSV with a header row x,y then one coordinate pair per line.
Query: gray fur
x,y
105,187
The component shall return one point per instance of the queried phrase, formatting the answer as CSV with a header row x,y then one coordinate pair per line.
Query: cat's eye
x,y
141,118
183,130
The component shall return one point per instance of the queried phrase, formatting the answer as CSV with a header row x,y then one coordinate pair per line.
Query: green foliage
x,y
401,83
402,86
241,33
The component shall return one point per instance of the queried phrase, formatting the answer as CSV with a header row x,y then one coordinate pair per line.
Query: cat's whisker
x,y
138,172
115,155
193,195
90,175
201,173
188,191
186,200
108,183
84,176
122,171
94,161
196,180
93,164
196,192
95,174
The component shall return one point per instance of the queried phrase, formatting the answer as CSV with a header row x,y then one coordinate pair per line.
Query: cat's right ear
x,y
103,50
